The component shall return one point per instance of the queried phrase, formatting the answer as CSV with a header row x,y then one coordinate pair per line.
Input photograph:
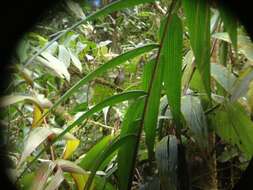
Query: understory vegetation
x,y
130,94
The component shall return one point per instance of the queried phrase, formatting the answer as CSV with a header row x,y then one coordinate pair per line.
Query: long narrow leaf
x,y
117,142
230,25
127,150
108,102
109,65
198,21
172,57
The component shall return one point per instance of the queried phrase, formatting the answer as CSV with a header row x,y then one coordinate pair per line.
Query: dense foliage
x,y
127,94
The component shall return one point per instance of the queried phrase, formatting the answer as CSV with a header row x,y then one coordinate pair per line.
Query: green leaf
x,y
112,7
130,125
147,74
198,21
98,183
87,161
230,25
109,65
195,118
112,147
223,76
108,102
172,57
234,126
152,108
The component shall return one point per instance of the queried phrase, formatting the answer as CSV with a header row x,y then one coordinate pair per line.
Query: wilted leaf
x,y
68,166
34,139
13,99
42,175
56,180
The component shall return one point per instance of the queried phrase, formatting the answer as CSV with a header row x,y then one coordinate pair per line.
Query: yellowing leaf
x,y
70,148
80,180
37,114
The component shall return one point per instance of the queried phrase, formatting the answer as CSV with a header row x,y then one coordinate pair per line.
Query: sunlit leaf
x,y
75,61
64,55
112,7
13,99
75,8
55,65
70,148
37,114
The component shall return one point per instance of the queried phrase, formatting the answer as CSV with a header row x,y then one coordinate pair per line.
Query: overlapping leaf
x,y
172,60
197,14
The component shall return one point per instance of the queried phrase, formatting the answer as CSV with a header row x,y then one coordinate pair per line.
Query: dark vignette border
x,y
18,16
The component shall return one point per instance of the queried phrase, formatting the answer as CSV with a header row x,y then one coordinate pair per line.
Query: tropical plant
x,y
134,95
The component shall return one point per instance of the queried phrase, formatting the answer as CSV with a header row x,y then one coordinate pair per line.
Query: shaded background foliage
x,y
7,47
